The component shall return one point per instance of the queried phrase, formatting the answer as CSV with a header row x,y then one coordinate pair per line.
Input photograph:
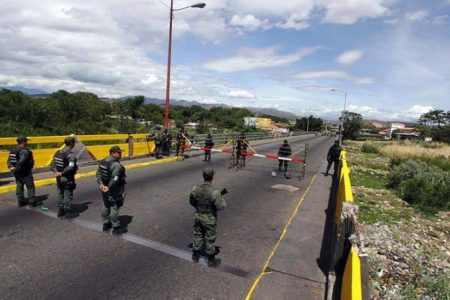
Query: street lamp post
x,y
309,116
169,58
343,112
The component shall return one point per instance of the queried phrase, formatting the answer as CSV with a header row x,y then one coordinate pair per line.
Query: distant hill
x,y
28,91
255,110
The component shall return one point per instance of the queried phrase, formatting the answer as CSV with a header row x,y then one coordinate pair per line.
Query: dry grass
x,y
411,149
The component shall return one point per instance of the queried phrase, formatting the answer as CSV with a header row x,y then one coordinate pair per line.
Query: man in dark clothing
x,y
208,146
20,163
166,142
241,150
284,151
333,157
157,141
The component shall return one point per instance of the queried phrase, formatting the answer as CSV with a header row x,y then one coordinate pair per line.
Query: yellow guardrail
x,y
352,285
345,193
43,157
351,282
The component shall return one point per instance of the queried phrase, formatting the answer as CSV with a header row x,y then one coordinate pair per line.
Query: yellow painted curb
x,y
51,181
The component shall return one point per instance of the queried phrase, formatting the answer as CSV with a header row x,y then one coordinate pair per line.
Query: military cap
x,y
69,140
22,139
115,149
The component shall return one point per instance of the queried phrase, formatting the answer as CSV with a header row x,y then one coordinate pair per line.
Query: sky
x,y
390,57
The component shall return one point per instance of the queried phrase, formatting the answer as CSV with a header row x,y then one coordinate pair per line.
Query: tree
x,y
352,125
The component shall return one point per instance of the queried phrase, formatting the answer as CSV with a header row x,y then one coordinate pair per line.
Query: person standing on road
x,y
241,150
181,141
207,201
158,142
209,144
20,163
111,179
166,142
333,156
284,151
64,166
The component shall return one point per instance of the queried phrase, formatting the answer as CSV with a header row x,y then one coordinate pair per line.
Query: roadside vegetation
x,y
403,191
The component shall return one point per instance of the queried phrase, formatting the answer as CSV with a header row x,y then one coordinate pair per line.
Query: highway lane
x,y
51,258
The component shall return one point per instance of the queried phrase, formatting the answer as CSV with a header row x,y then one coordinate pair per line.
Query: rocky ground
x,y
409,252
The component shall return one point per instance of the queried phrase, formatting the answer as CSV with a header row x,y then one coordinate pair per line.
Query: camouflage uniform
x,y
207,201
111,173
21,158
65,162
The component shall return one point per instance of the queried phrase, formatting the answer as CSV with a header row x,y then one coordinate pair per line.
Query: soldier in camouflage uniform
x,y
20,163
64,166
111,179
207,201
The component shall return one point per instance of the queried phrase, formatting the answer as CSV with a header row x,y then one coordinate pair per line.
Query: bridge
x,y
275,236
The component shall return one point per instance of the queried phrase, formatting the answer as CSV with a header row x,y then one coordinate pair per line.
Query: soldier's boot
x,y
107,227
213,261
22,203
70,214
61,213
195,256
119,230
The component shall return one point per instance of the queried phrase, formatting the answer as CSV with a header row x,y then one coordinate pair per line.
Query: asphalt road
x,y
44,257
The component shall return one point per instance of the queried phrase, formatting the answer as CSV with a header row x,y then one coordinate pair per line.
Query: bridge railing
x,y
350,260
132,144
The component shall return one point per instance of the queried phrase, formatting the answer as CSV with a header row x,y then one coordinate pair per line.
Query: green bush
x,y
441,161
369,147
427,187
406,170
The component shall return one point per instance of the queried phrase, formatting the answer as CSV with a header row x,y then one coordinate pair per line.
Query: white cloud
x,y
416,15
241,94
295,21
250,59
350,11
339,75
440,20
392,21
249,22
350,57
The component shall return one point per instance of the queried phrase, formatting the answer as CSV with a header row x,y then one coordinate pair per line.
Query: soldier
x,y
181,141
20,163
284,151
241,149
333,157
111,179
208,146
158,142
167,142
207,201
64,166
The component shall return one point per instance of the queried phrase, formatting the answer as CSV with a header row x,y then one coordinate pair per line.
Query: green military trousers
x,y
65,187
205,230
21,183
112,201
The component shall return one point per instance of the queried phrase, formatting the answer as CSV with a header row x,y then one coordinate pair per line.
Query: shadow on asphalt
x,y
80,207
42,198
125,220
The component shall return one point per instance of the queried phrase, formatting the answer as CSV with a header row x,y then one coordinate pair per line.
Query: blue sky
x,y
390,56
